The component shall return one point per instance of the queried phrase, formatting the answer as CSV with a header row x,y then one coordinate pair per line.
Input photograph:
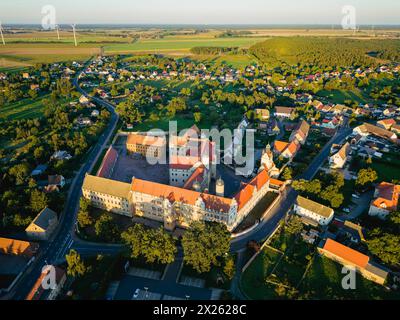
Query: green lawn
x,y
340,96
23,109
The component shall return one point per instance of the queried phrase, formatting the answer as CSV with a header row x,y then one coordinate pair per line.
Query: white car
x,y
347,210
136,294
355,196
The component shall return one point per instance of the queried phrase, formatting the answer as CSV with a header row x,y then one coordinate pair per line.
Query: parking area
x,y
192,282
144,273
146,295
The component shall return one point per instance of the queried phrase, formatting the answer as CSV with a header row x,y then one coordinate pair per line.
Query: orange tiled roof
x,y
146,140
17,247
349,255
276,182
245,194
280,146
293,147
260,180
175,194
197,175
388,195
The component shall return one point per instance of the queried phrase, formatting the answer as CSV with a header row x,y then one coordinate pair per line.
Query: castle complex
x,y
186,198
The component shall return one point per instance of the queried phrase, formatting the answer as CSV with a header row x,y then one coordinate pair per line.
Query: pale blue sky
x,y
201,11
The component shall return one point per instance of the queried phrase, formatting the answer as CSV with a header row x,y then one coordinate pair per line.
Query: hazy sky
x,y
201,11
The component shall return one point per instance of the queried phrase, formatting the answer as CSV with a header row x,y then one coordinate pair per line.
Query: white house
x,y
312,210
43,225
338,160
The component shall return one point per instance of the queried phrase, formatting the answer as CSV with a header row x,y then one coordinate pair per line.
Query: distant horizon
x,y
204,12
208,25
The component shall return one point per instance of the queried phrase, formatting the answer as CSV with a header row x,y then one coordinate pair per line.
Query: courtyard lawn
x,y
258,211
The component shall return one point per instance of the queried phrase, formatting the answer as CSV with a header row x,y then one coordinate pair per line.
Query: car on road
x,y
347,210
355,196
136,294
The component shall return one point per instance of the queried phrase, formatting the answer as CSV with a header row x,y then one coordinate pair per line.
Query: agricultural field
x,y
169,45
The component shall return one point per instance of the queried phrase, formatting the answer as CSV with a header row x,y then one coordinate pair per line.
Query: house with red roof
x,y
386,200
353,259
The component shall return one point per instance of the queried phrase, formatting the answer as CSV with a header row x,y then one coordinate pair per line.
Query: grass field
x,y
340,96
23,109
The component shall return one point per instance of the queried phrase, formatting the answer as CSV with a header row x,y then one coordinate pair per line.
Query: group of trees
x,y
324,52
206,245
154,245
327,190
36,140
384,240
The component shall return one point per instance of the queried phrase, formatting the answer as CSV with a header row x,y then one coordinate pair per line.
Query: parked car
x,y
347,210
136,294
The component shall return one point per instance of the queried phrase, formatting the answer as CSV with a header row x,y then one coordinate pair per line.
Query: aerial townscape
x,y
199,162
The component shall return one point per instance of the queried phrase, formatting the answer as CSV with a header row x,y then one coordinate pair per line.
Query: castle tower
x,y
220,188
267,159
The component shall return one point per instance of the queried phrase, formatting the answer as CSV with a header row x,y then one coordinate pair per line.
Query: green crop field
x,y
23,109
181,44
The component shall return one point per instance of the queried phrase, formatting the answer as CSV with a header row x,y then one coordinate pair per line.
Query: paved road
x,y
62,241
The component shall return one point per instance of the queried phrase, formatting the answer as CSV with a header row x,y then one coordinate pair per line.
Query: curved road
x,y
62,241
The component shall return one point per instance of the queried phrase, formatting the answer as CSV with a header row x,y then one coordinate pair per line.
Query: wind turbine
x,y
1,33
74,31
58,31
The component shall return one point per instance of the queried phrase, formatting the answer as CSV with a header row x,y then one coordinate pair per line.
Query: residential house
x,y
301,132
349,257
313,210
386,200
84,100
56,180
367,129
287,150
39,170
262,114
386,124
339,159
61,155
284,112
42,227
